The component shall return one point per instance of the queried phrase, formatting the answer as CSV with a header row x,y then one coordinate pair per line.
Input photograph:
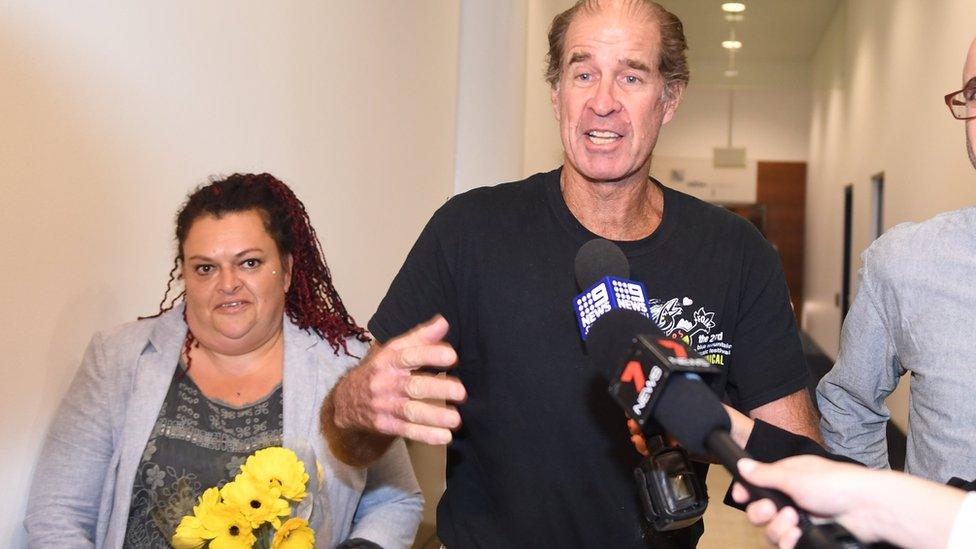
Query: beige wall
x,y
542,149
491,92
878,81
110,113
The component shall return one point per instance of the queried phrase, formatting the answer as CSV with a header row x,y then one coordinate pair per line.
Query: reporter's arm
x,y
963,533
873,505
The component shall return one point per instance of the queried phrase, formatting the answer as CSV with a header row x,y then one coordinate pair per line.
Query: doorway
x,y
877,205
845,285
781,190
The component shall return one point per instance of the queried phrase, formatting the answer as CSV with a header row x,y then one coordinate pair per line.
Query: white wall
x,y
111,112
771,116
700,178
878,82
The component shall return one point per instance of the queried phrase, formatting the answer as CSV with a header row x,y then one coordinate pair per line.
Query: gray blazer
x,y
83,481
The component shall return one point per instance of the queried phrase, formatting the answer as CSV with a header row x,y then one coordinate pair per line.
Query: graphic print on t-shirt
x,y
678,318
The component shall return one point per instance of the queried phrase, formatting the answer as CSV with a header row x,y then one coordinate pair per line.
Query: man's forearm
x,y
356,447
793,413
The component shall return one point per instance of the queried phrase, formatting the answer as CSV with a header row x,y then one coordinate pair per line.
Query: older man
x,y
913,313
543,458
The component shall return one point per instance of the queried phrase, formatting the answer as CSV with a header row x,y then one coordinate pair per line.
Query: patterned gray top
x,y
196,443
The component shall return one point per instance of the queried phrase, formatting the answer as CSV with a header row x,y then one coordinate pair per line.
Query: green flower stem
x,y
264,534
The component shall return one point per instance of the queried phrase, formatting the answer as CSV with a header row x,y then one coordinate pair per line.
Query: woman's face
x,y
236,282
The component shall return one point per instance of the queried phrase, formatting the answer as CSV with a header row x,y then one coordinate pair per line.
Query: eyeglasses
x,y
962,103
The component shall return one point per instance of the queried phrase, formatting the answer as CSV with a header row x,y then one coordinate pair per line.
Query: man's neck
x,y
629,209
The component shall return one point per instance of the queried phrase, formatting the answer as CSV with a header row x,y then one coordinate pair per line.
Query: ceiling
x,y
772,30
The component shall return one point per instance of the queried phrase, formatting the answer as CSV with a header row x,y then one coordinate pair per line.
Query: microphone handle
x,y
720,444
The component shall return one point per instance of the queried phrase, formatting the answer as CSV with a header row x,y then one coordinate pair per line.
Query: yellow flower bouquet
x,y
252,510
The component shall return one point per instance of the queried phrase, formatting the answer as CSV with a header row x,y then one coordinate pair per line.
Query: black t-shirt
x,y
543,458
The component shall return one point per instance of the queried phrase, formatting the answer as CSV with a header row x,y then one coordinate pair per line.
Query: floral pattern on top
x,y
195,444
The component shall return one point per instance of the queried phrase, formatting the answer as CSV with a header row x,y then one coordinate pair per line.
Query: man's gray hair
x,y
673,62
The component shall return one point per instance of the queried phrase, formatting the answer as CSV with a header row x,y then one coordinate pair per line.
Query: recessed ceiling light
x,y
731,44
734,17
734,7
731,73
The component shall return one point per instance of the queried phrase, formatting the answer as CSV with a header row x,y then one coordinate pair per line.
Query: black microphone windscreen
x,y
611,338
599,258
689,411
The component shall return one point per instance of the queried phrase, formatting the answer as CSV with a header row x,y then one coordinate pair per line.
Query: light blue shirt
x,y
915,313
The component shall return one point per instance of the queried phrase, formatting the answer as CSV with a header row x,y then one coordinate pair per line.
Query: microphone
x,y
598,258
651,357
660,378
684,406
647,359
602,269
670,490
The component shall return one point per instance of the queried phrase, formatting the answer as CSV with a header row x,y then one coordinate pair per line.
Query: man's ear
x,y
676,92
554,97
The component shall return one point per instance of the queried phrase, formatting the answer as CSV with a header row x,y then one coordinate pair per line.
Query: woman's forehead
x,y
227,230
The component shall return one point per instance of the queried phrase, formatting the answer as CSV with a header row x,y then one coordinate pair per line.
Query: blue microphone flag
x,y
605,295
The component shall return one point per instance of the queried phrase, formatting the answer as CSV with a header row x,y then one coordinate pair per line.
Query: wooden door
x,y
782,188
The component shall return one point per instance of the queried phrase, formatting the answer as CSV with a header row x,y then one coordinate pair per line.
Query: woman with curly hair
x,y
165,407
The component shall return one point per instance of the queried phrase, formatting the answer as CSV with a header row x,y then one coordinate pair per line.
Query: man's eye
x,y
584,77
251,263
970,94
631,79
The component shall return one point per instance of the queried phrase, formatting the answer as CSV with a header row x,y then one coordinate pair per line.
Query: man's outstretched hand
x,y
386,397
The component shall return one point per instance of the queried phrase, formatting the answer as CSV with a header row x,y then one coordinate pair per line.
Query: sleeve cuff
x,y
769,443
770,395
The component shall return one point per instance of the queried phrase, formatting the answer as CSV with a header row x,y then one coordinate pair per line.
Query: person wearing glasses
x,y
913,313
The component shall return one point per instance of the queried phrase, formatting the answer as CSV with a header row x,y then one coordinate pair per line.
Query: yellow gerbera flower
x,y
215,522
278,467
294,534
190,534
232,529
208,500
256,501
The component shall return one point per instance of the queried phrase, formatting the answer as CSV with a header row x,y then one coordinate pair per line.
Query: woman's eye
x,y
251,263
204,269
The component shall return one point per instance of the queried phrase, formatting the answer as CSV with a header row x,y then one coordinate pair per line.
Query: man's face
x,y
969,81
609,100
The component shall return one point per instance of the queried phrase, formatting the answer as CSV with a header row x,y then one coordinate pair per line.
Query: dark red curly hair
x,y
312,302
